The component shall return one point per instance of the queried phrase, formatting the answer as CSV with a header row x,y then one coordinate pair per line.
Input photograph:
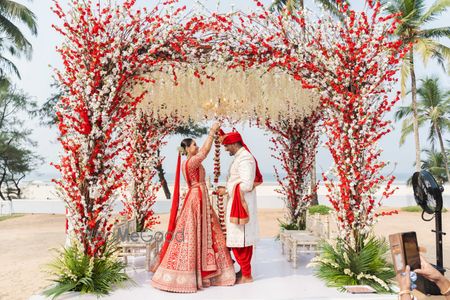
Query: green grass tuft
x,y
417,208
319,209
3,218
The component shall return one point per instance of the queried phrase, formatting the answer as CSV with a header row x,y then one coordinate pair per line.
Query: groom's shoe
x,y
244,279
239,274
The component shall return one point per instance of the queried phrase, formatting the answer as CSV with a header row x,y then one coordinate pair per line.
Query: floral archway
x,y
117,59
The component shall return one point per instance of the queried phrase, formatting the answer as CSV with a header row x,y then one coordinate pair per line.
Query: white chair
x,y
137,247
308,242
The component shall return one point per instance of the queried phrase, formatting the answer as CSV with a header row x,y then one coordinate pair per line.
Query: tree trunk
x,y
16,183
2,180
315,198
444,153
162,178
414,108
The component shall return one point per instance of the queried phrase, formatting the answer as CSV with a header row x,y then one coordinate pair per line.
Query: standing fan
x,y
428,195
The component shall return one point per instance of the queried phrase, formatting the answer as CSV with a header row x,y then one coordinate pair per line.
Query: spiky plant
x,y
340,265
73,270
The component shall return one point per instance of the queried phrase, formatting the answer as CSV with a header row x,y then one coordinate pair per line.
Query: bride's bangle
x,y
446,292
406,292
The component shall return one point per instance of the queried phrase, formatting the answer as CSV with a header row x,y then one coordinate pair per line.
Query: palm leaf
x,y
15,35
436,9
18,12
405,71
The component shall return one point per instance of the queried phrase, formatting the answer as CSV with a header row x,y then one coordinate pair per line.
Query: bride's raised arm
x,y
204,150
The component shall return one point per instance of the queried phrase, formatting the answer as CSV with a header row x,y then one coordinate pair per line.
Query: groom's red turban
x,y
231,138
235,137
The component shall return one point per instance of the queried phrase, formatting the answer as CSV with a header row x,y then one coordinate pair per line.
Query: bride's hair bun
x,y
182,150
184,145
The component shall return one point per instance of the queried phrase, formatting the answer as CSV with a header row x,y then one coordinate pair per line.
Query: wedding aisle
x,y
274,279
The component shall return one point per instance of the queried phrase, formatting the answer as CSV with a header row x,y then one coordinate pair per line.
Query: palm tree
x,y
12,39
433,107
434,163
415,29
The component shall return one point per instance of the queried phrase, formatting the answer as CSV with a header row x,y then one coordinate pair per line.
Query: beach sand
x,y
26,240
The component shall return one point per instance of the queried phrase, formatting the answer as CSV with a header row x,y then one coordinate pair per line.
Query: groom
x,y
241,213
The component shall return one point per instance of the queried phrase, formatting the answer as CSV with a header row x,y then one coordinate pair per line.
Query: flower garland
x,y
220,198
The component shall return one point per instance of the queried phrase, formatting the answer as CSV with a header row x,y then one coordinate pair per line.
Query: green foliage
x,y
13,17
295,5
341,265
16,158
416,27
416,209
76,271
3,218
289,226
319,209
191,129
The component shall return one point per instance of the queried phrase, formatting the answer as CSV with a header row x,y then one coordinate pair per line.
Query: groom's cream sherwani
x,y
242,170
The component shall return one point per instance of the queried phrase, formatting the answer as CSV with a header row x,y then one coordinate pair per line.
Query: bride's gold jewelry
x,y
447,292
182,151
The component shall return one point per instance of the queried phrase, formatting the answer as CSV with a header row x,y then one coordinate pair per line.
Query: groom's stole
x,y
239,209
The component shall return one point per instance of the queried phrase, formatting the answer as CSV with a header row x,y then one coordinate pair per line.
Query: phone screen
x,y
412,256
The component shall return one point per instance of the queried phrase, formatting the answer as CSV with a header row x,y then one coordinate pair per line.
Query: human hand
x,y
404,279
221,190
429,272
215,127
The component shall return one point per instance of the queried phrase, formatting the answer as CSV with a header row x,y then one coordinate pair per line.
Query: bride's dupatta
x,y
172,220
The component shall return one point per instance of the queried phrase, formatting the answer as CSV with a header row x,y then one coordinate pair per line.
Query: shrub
x,y
76,271
319,209
341,265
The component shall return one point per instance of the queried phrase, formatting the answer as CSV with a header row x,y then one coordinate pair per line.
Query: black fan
x,y
428,194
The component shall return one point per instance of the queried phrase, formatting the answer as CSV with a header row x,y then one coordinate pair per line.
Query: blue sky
x,y
37,76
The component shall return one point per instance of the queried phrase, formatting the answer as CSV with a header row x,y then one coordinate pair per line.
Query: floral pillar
x,y
294,146
106,52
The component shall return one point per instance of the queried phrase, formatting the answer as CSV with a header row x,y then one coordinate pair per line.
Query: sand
x,y
26,240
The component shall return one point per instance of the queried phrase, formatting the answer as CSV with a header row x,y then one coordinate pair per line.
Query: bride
x,y
200,258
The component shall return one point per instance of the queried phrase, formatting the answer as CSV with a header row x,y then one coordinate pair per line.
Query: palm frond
x,y
7,67
407,129
405,71
19,12
73,270
440,32
341,265
402,112
436,9
15,35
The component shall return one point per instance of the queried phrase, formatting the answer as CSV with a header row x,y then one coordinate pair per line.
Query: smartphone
x,y
411,248
405,251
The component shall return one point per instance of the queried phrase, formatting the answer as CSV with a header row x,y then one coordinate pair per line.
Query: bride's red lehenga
x,y
199,258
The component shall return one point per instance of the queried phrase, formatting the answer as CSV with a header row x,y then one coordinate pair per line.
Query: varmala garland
x,y
220,198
